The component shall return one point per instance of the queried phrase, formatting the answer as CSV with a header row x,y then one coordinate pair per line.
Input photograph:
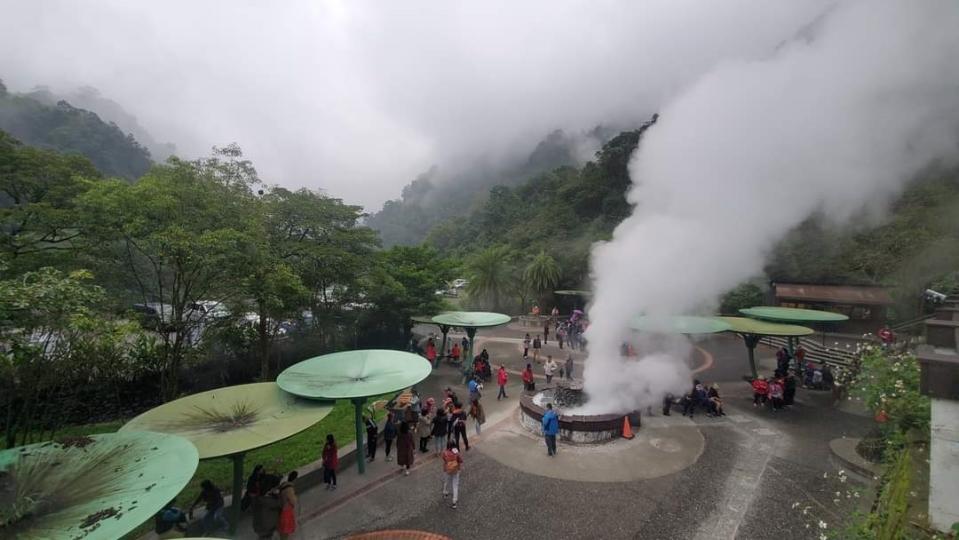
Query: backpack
x,y
451,466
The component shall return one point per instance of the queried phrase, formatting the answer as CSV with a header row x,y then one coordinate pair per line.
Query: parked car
x,y
154,315
207,311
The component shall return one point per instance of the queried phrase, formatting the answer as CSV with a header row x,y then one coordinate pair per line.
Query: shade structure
x,y
234,419
472,319
743,325
753,330
678,324
354,375
573,292
792,315
91,488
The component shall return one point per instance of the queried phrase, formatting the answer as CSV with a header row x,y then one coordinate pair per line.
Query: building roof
x,y
833,294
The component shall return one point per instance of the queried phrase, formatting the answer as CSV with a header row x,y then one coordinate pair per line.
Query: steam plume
x,y
836,121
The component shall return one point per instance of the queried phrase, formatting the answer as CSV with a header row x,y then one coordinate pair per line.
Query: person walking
x,y
478,415
546,332
424,427
550,429
389,434
789,389
549,368
212,498
287,523
474,388
528,382
501,379
331,461
569,365
465,345
372,431
266,515
776,394
404,448
526,343
537,345
561,335
452,465
439,431
431,353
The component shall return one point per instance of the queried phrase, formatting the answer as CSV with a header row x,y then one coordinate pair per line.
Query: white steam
x,y
836,121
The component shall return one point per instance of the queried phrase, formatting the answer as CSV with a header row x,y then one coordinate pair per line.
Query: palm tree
x,y
542,273
490,274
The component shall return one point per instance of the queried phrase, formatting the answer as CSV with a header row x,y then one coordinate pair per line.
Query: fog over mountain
x,y
358,98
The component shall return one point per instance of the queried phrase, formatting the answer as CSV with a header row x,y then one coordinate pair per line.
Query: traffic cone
x,y
627,429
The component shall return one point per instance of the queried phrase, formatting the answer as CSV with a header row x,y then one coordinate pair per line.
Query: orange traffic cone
x,y
627,429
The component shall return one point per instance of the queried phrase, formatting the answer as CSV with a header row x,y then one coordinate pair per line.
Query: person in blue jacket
x,y
550,429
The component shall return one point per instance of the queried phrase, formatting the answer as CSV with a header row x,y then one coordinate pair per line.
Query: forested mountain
x,y
436,196
68,129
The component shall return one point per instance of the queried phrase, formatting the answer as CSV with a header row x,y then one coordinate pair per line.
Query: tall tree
x,y
541,274
491,275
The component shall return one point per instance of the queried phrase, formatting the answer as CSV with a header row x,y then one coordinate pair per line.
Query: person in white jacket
x,y
550,368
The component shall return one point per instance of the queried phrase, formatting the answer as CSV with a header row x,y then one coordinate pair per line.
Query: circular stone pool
x,y
590,428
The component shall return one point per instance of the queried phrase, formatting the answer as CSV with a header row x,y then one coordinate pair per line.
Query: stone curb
x,y
844,450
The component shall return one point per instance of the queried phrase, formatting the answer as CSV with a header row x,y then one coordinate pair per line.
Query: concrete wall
x,y
944,464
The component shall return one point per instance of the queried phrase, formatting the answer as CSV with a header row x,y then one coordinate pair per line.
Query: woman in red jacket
x,y
501,378
760,391
331,461
528,378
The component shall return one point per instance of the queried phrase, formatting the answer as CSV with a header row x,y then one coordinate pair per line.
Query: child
x,y
330,462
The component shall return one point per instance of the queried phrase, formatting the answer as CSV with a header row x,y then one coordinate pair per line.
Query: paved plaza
x,y
739,476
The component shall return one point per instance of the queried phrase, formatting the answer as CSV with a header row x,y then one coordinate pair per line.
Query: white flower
x,y
835,501
825,475
822,524
822,536
795,505
838,494
855,494
842,479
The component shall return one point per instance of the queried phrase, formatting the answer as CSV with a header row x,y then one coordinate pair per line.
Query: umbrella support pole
x,y
237,490
751,341
471,334
358,413
439,355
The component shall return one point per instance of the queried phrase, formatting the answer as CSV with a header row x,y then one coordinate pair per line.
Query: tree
x,y
541,274
38,189
491,275
180,235
744,295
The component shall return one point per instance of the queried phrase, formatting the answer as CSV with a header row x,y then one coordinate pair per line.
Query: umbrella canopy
x,y
101,486
679,324
792,315
234,419
573,292
354,374
743,325
471,319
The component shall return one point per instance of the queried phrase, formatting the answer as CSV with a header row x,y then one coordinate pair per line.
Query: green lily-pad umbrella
x,y
787,315
90,488
470,321
232,421
574,292
753,330
678,324
354,375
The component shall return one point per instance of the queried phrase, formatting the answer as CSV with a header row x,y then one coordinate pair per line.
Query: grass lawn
x,y
281,457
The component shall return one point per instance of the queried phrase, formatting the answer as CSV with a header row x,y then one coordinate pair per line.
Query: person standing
x,y
537,345
455,353
439,431
474,388
526,343
389,433
459,426
527,376
501,379
212,498
404,448
546,332
789,389
287,523
478,415
550,429
331,461
776,394
266,515
561,335
424,427
431,353
452,465
549,368
760,391
465,345
569,365
372,431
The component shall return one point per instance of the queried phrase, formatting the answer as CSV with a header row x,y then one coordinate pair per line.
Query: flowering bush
x,y
888,383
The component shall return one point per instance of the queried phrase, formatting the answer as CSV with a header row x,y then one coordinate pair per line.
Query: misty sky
x,y
357,98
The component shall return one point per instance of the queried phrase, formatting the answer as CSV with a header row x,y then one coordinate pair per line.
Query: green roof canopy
x,y
792,315
744,325
424,319
573,292
354,374
471,319
90,488
678,324
234,419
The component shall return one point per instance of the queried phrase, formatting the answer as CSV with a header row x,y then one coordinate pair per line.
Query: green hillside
x,y
67,129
